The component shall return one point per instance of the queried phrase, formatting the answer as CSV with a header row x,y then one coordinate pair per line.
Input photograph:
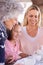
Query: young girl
x,y
12,44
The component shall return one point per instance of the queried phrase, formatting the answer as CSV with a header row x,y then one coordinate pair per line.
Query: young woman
x,y
32,33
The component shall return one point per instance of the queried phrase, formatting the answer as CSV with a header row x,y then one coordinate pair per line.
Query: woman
x,y
32,34
9,23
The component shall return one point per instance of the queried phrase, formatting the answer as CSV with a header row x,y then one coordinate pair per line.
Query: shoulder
x,y
23,29
3,29
24,33
7,42
41,29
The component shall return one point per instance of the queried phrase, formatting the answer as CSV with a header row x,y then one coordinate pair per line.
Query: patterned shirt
x,y
3,37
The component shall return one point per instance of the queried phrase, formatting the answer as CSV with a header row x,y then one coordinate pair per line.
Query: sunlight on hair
x,y
25,5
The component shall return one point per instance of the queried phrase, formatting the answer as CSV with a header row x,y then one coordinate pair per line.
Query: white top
x,y
30,44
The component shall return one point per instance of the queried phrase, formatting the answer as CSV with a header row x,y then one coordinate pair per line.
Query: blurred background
x,y
11,6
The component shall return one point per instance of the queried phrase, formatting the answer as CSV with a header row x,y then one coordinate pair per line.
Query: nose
x,y
33,18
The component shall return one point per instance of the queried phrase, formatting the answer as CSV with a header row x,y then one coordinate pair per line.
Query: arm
x,y
10,59
22,54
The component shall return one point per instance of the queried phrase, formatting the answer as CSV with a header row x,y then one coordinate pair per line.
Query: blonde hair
x,y
33,7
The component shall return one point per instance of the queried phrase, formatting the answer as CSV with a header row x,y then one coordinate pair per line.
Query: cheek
x,y
15,34
29,21
37,20
29,18
19,33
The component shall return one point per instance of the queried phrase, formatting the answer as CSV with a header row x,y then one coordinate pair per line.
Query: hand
x,y
9,59
23,55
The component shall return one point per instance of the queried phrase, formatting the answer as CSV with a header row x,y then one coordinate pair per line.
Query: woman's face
x,y
32,17
9,23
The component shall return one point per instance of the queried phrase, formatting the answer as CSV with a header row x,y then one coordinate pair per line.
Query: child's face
x,y
17,31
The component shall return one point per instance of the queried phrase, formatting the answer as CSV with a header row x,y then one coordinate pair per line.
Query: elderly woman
x,y
12,15
11,18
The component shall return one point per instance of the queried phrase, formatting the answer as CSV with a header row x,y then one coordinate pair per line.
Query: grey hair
x,y
12,9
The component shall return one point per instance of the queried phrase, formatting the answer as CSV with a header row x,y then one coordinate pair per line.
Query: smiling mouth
x,y
33,23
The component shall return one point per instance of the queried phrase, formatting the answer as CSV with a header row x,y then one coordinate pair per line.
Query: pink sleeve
x,y
7,49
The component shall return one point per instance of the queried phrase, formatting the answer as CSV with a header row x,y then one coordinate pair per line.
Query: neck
x,y
32,31
13,42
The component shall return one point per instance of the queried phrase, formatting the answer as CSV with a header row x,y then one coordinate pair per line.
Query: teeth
x,y
34,23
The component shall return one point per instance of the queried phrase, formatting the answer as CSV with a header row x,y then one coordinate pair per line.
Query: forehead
x,y
11,21
33,12
16,27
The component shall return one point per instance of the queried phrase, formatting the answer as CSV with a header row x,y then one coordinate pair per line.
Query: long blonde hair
x,y
33,7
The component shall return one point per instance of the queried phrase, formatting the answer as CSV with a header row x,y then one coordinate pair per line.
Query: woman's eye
x,y
30,15
35,16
